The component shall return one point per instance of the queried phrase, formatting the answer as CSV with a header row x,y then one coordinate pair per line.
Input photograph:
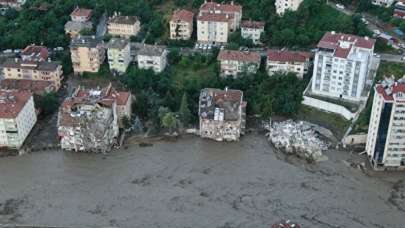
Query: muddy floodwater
x,y
192,183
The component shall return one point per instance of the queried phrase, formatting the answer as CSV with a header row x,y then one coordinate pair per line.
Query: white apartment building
x,y
123,26
382,3
236,62
181,25
386,133
215,22
288,61
119,54
342,65
252,30
152,57
283,5
17,117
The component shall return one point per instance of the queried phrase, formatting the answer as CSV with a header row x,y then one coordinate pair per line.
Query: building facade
x,y
342,66
399,9
382,3
123,26
222,114
283,5
17,69
215,22
17,117
236,62
87,54
252,30
119,55
386,133
89,120
80,20
152,57
181,25
288,62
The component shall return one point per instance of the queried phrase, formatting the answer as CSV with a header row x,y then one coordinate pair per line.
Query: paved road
x,y
392,58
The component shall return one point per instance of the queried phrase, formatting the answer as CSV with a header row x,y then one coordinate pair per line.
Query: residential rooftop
x,y
127,20
35,86
85,41
117,43
12,102
183,15
245,56
213,6
148,50
33,65
288,56
35,52
220,17
81,12
252,24
389,88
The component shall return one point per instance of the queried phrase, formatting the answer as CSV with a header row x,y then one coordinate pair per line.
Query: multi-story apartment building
x,y
17,117
283,5
252,30
89,120
35,87
123,26
382,3
181,25
288,61
17,69
80,20
34,53
399,9
215,21
119,54
87,53
342,65
16,4
152,57
234,12
236,62
222,114
386,133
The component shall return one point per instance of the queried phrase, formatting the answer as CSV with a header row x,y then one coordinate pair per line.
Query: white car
x,y
8,51
340,6
376,32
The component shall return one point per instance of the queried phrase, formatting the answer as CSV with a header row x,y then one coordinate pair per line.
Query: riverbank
x,y
193,182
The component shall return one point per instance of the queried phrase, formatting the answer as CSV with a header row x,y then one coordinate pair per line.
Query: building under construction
x,y
222,114
89,119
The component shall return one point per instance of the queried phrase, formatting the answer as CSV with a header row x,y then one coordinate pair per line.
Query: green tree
x,y
48,103
184,111
169,121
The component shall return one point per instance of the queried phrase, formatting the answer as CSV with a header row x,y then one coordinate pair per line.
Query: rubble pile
x,y
298,138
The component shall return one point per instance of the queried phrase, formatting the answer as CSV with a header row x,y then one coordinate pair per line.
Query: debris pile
x,y
298,138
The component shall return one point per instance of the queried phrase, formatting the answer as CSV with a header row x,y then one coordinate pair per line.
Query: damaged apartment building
x,y
90,119
222,114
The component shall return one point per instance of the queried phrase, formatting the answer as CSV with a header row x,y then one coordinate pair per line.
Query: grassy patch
x,y
382,47
388,69
337,124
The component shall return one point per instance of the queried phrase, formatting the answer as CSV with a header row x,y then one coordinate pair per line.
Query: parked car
x,y
376,32
340,6
17,51
8,51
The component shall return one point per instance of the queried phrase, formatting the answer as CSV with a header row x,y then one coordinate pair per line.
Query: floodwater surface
x,y
191,183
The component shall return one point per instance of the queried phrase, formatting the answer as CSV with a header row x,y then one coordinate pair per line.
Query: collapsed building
x,y
222,114
90,119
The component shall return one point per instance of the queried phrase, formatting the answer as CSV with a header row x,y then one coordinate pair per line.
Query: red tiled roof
x,y
35,52
223,7
331,40
342,52
252,24
215,17
396,88
239,56
81,12
36,87
183,15
288,56
399,13
12,102
227,95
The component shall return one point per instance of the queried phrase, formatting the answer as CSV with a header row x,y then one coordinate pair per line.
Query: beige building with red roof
x,y
252,30
385,145
222,114
90,119
215,21
236,62
81,14
123,26
288,62
17,117
181,25
342,65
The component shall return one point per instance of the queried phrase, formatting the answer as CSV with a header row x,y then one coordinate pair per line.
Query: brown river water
x,y
193,183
